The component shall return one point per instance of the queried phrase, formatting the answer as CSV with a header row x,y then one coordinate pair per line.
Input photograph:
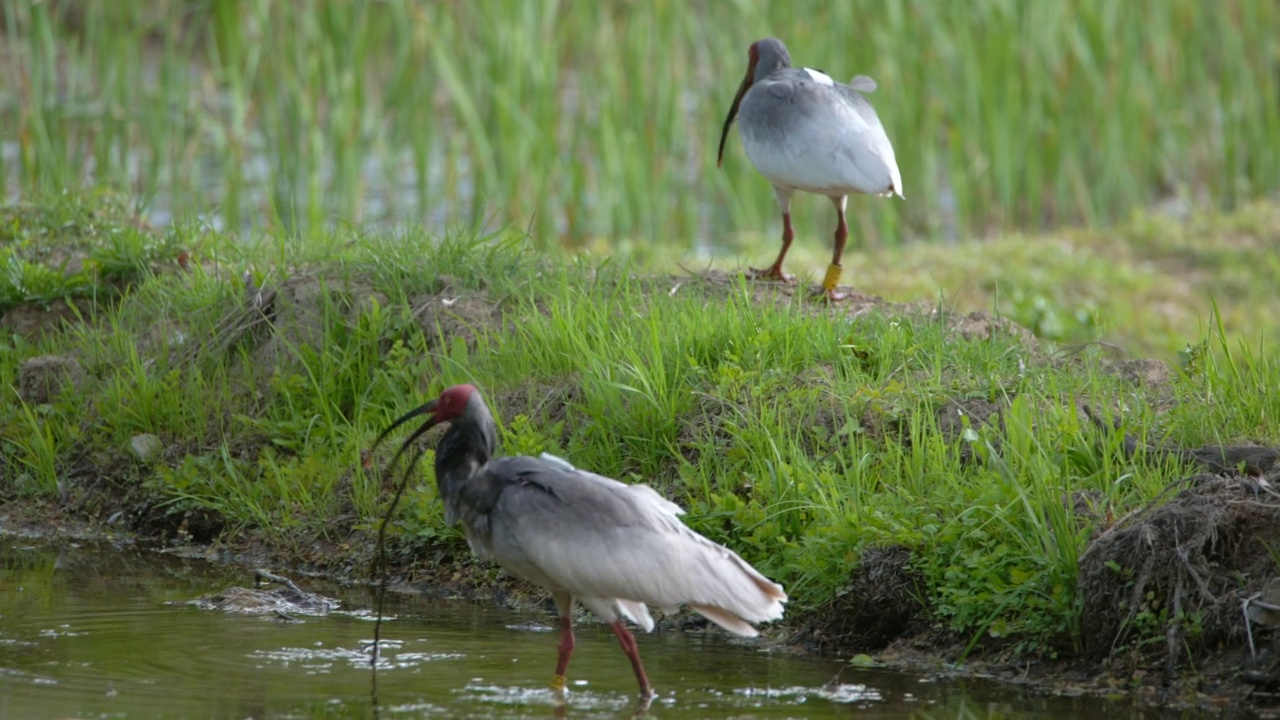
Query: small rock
x,y
73,266
40,379
252,601
862,660
146,447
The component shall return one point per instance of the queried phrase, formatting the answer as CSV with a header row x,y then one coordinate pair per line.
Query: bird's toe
x,y
833,295
772,274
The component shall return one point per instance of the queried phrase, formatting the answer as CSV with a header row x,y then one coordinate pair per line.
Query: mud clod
x,y
980,325
43,378
1145,372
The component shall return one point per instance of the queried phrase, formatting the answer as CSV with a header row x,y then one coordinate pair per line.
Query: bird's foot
x,y
773,274
834,295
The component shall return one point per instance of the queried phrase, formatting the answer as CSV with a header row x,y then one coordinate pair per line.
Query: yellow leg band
x,y
833,277
557,682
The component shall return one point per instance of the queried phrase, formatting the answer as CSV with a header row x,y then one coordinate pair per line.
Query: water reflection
x,y
107,632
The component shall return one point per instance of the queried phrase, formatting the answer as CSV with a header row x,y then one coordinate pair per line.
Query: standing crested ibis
x,y
614,547
805,131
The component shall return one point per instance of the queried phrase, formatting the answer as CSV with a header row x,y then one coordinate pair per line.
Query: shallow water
x,y
95,631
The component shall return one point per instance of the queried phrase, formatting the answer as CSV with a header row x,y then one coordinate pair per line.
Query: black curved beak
x,y
733,109
421,410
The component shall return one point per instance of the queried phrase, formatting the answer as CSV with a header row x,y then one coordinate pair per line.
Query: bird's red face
x,y
451,403
753,59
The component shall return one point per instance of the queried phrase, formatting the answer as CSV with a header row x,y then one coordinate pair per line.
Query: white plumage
x,y
803,131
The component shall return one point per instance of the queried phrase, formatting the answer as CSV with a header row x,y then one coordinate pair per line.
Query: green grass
x,y
596,123
797,436
1146,285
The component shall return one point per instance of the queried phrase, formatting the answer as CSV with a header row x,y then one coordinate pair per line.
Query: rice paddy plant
x,y
594,124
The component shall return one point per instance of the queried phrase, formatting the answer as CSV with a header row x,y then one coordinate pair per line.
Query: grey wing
x,y
856,139
642,491
818,138
599,539
866,144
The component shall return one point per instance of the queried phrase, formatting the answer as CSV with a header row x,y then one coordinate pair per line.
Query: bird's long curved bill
x,y
416,412
733,112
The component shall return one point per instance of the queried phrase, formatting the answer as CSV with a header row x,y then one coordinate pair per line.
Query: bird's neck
x,y
765,68
462,452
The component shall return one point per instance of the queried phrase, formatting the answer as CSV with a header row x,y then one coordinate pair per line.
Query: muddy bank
x,y
1179,604
1176,597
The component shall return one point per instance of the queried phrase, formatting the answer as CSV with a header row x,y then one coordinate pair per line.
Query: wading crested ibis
x,y
805,131
613,547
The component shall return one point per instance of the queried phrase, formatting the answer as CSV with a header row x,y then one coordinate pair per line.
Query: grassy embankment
x,y
596,123
797,434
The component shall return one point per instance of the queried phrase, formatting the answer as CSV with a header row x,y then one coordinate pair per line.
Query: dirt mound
x,y
977,325
1191,568
451,315
34,320
299,309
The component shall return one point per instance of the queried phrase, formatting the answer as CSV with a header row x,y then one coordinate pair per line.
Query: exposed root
x,y
880,604
1185,567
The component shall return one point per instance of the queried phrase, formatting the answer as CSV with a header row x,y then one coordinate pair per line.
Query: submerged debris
x,y
283,601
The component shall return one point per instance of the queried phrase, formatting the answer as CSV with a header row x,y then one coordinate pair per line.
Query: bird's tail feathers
x,y
725,619
636,612
862,83
732,586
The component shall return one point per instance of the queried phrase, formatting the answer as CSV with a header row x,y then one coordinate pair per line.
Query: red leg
x,y
628,643
564,606
774,271
834,270
565,649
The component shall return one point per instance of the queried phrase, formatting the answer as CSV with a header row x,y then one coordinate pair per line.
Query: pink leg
x,y
628,643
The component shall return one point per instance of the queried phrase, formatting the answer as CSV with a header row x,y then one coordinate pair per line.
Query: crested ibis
x,y
614,547
804,131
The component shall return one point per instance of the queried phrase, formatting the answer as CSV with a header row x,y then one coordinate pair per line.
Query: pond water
x,y
92,631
